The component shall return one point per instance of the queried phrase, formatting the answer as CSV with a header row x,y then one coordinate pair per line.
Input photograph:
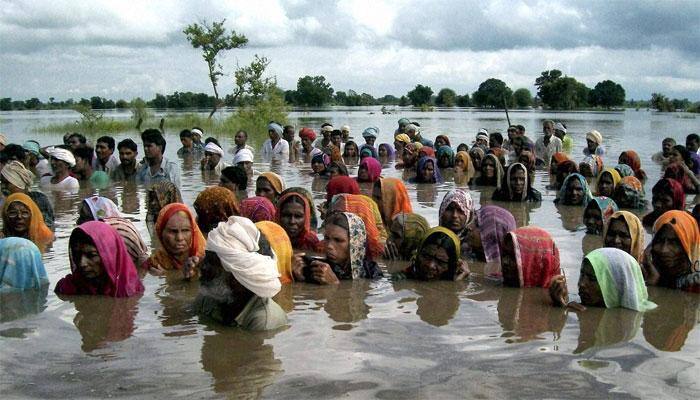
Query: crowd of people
x,y
242,249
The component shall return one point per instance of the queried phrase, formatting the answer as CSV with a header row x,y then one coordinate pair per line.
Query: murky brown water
x,y
361,339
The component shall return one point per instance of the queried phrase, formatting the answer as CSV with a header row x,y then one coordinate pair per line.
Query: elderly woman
x,y
21,267
597,213
16,178
239,278
214,205
574,191
607,180
406,231
456,212
96,208
491,172
369,170
100,264
392,197
667,195
672,259
294,215
437,258
159,195
269,185
624,231
181,242
529,258
517,186
609,278
345,243
629,193
21,218
485,237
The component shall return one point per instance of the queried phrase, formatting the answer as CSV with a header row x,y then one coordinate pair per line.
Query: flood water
x,y
361,339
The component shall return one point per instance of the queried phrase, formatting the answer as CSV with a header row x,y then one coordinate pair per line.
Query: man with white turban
x,y
213,158
325,139
275,148
16,178
566,142
244,158
594,144
239,277
413,132
61,161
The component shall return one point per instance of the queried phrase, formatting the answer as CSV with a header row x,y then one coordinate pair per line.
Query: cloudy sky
x,y
124,49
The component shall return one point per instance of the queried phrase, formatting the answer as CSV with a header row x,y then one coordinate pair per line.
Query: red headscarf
x,y
258,208
676,172
673,188
536,255
120,269
341,184
635,163
560,157
161,258
395,199
307,133
426,151
306,239
374,168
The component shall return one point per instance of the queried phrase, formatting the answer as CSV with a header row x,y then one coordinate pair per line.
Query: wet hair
x,y
129,144
264,246
85,153
211,140
186,133
496,138
462,147
236,174
287,127
669,140
684,152
336,132
153,136
520,128
81,138
693,137
13,152
108,140
338,219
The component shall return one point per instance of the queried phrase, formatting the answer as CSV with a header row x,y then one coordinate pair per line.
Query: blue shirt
x,y
168,171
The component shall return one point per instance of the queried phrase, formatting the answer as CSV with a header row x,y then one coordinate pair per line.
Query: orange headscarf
x,y
394,198
687,231
39,233
281,245
161,258
215,204
362,207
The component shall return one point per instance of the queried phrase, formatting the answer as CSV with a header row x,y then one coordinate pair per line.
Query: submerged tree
x,y
607,94
420,95
522,98
446,98
213,39
492,93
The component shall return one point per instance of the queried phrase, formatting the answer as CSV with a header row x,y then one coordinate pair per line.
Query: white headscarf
x,y
63,155
236,243
3,140
197,132
274,126
243,155
594,136
17,174
559,127
102,207
213,148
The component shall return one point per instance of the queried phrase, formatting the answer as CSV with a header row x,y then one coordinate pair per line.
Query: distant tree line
x,y
554,91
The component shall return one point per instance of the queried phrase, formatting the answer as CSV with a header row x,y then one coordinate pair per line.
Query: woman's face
x,y
453,218
675,157
474,236
88,262
363,174
593,220
618,235
85,214
574,192
18,217
668,254
488,168
248,166
383,152
459,163
292,218
662,202
509,265
445,161
606,185
432,263
264,188
439,142
225,183
429,172
517,181
318,167
588,288
177,235
592,146
350,151
476,161
337,244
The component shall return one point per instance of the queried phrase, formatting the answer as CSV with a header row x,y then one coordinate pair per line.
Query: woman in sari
x,y
132,239
456,212
680,173
597,213
485,237
281,246
607,181
557,158
464,168
22,218
491,172
367,210
529,258
181,242
591,166
159,195
631,158
672,259
21,267
445,157
624,231
100,264
16,178
269,185
427,171
386,152
574,191
345,243
609,278
310,198
392,197
667,195
517,186
369,170
437,258
97,208
629,193
214,205
406,232
257,209
294,215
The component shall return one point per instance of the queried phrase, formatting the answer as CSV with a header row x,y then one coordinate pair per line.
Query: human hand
x,y
323,273
190,268
462,271
558,291
298,266
391,252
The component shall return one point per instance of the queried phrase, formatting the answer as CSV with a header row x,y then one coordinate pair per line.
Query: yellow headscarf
x,y
275,180
634,225
281,245
39,233
615,177
402,137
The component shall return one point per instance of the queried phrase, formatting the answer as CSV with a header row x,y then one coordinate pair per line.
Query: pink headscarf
x,y
258,209
374,168
123,278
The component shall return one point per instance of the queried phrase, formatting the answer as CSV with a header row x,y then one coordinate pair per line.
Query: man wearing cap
x,y
275,148
62,161
197,134
547,145
213,158
567,143
322,142
370,135
403,123
413,132
482,139
156,168
594,144
34,161
345,130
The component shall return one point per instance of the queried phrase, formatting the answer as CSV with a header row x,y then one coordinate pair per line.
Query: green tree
x,y
122,104
522,98
33,103
492,93
661,102
250,82
446,98
313,91
559,92
213,39
420,95
403,101
464,100
607,94
6,104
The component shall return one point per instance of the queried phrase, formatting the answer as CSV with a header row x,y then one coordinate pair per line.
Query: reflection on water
x,y
384,339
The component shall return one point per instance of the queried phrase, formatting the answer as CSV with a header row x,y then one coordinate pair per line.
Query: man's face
x,y
240,139
273,135
692,145
127,156
80,165
288,134
666,147
152,150
186,142
103,151
547,129
74,143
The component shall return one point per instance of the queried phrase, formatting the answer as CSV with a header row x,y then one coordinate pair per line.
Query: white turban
x,y
327,128
63,155
3,140
411,127
236,243
243,155
483,131
345,128
197,132
17,174
482,136
559,127
213,148
370,132
274,126
594,136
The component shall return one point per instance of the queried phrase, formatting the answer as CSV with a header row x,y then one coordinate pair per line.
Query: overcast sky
x,y
124,49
